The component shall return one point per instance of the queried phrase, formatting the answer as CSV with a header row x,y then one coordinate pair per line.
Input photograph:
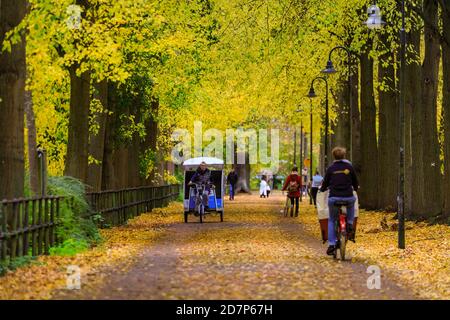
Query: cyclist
x,y
293,185
341,180
203,176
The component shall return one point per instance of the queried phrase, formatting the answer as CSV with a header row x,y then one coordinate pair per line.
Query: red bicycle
x,y
341,230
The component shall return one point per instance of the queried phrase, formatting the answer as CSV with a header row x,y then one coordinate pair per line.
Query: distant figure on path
x,y
232,179
316,183
263,188
304,181
293,186
268,190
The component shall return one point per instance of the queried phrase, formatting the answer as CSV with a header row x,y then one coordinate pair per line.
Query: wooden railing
x,y
117,206
28,226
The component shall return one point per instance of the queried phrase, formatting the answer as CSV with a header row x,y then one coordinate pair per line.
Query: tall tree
x,y
12,92
108,170
369,151
78,137
78,141
430,80
32,142
388,140
356,120
97,138
445,5
415,107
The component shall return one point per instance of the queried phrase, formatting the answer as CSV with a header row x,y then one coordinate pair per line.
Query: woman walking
x,y
316,183
293,186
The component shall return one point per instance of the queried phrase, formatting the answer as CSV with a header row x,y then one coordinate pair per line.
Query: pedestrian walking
x,y
316,183
232,179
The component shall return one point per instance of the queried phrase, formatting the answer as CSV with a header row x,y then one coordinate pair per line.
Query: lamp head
x,y
312,93
329,69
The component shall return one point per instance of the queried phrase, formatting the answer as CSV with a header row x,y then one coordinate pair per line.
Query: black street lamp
x,y
329,69
301,156
295,146
312,94
375,22
310,148
310,144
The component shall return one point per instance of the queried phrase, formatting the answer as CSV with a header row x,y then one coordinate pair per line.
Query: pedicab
x,y
193,193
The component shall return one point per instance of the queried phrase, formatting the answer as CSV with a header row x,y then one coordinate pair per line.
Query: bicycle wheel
x,y
286,207
201,210
343,243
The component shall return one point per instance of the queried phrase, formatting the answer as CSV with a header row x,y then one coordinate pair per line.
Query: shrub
x,y
76,230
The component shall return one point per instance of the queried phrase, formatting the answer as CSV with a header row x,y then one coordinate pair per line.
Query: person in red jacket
x,y
293,186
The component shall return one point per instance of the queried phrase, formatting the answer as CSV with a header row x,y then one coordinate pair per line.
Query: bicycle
x,y
341,230
287,206
200,199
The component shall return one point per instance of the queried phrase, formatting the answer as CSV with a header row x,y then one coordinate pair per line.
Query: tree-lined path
x,y
255,254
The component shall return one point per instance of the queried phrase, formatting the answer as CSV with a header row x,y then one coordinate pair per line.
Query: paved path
x,y
254,254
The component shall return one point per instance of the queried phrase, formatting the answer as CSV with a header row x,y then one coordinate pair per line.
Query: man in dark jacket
x,y
232,179
203,176
341,180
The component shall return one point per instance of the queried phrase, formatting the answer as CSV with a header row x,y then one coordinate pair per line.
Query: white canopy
x,y
195,162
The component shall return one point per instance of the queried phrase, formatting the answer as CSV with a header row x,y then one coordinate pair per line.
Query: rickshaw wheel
x,y
185,217
221,216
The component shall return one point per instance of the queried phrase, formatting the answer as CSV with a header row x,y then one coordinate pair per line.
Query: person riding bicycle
x,y
341,180
202,176
293,185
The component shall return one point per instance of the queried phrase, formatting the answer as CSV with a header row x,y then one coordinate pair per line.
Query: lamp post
x,y
329,69
310,144
301,157
375,22
295,146
312,94
310,148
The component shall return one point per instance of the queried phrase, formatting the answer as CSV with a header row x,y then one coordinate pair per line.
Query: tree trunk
x,y
120,164
369,166
341,134
78,141
243,172
78,136
149,142
134,148
388,139
430,80
32,144
446,104
12,92
413,103
97,141
108,172
356,121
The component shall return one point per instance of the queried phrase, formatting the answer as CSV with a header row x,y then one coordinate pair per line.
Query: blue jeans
x,y
333,216
231,191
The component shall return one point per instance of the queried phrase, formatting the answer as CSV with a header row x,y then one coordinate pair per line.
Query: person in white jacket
x,y
263,188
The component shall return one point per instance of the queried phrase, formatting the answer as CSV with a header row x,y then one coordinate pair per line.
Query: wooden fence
x,y
28,226
116,207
